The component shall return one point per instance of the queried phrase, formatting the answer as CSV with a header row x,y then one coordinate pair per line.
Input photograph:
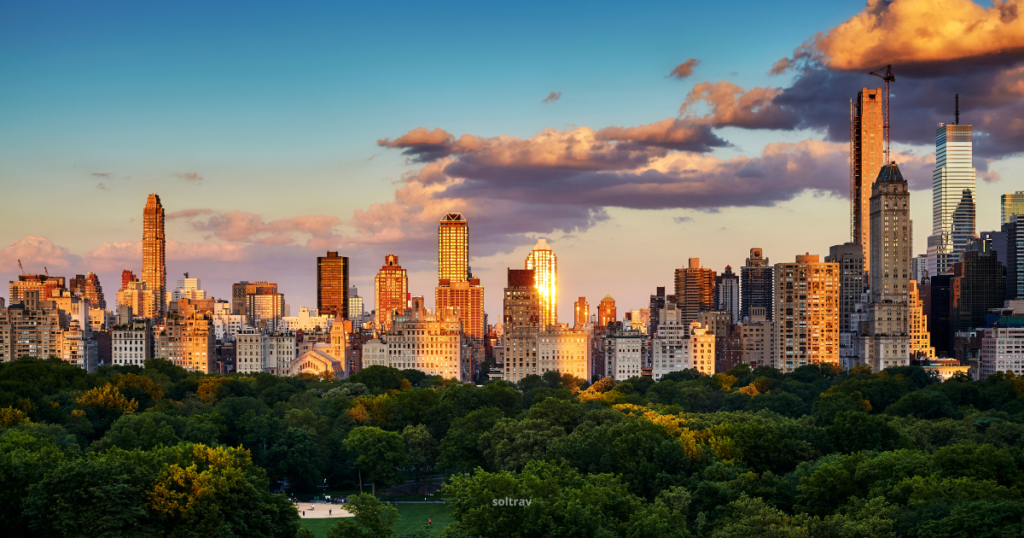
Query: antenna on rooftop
x,y
956,114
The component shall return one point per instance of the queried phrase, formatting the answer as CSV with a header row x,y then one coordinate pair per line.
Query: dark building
x,y
1014,238
850,257
977,286
756,278
88,287
657,304
938,314
104,345
332,285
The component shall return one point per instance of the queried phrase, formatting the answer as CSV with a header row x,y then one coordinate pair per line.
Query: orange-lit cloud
x,y
673,133
918,33
685,69
731,105
244,227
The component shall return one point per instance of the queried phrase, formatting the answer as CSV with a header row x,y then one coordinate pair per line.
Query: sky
x,y
631,137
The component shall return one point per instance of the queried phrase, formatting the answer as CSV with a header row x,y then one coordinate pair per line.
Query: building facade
x,y
45,285
695,290
391,291
757,334
154,257
453,248
332,285
727,293
756,284
606,311
806,313
866,154
953,175
522,324
132,343
88,286
430,343
581,313
544,264
679,347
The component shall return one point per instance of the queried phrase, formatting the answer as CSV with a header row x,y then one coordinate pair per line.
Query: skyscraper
x,y
1014,257
332,285
806,313
154,262
46,285
756,278
850,258
964,223
727,293
977,286
467,300
391,291
522,320
127,277
88,286
953,175
695,290
866,146
1010,205
581,310
355,306
264,306
544,264
453,248
884,341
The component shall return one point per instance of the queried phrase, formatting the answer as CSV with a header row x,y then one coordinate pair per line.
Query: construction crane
x,y
47,271
21,267
888,77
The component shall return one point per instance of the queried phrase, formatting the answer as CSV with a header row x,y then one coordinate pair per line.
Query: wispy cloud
x,y
551,98
189,177
682,220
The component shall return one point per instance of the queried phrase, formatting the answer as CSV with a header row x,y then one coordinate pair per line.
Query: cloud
x,y
938,48
244,227
189,213
424,146
190,177
731,105
684,69
36,253
101,186
682,220
551,98
671,133
101,174
372,157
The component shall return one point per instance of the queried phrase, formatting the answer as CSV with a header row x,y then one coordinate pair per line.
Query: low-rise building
x,y
564,351
131,344
417,340
756,335
678,346
624,354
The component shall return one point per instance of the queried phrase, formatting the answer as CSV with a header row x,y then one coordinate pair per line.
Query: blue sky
x,y
279,107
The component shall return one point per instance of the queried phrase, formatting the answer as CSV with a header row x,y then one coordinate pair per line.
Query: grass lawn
x,y
414,516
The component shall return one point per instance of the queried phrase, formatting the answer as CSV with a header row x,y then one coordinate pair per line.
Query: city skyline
x,y
225,234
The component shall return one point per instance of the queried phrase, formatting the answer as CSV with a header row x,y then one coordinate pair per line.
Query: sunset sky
x,y
631,135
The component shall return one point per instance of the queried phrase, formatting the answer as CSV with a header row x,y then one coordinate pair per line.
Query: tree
x,y
145,431
373,519
511,444
754,517
460,448
379,378
378,452
853,431
422,449
927,404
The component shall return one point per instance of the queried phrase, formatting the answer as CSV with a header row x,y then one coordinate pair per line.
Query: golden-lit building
x,y
29,329
920,338
332,285
695,290
581,310
564,351
142,301
46,285
544,264
806,313
430,343
466,299
866,147
391,292
154,259
606,311
756,333
264,306
522,324
453,248
88,286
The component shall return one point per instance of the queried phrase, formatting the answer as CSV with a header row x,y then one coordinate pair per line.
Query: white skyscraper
x,y
954,174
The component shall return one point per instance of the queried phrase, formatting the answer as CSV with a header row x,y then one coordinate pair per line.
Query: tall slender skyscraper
x,y
154,260
544,264
756,278
582,313
453,248
332,285
953,175
866,145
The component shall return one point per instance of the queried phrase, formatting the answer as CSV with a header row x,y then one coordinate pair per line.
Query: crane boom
x,y
22,267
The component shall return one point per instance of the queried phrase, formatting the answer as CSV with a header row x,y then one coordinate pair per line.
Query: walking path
x,y
321,510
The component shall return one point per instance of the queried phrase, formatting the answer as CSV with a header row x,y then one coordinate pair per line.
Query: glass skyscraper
x,y
954,174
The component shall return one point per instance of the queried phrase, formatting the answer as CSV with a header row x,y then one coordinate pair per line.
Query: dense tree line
x,y
158,451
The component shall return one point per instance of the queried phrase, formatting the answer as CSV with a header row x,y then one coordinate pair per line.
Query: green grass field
x,y
414,516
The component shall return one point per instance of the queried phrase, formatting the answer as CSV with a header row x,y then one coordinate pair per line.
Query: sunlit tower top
x,y
154,260
545,269
866,153
453,248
